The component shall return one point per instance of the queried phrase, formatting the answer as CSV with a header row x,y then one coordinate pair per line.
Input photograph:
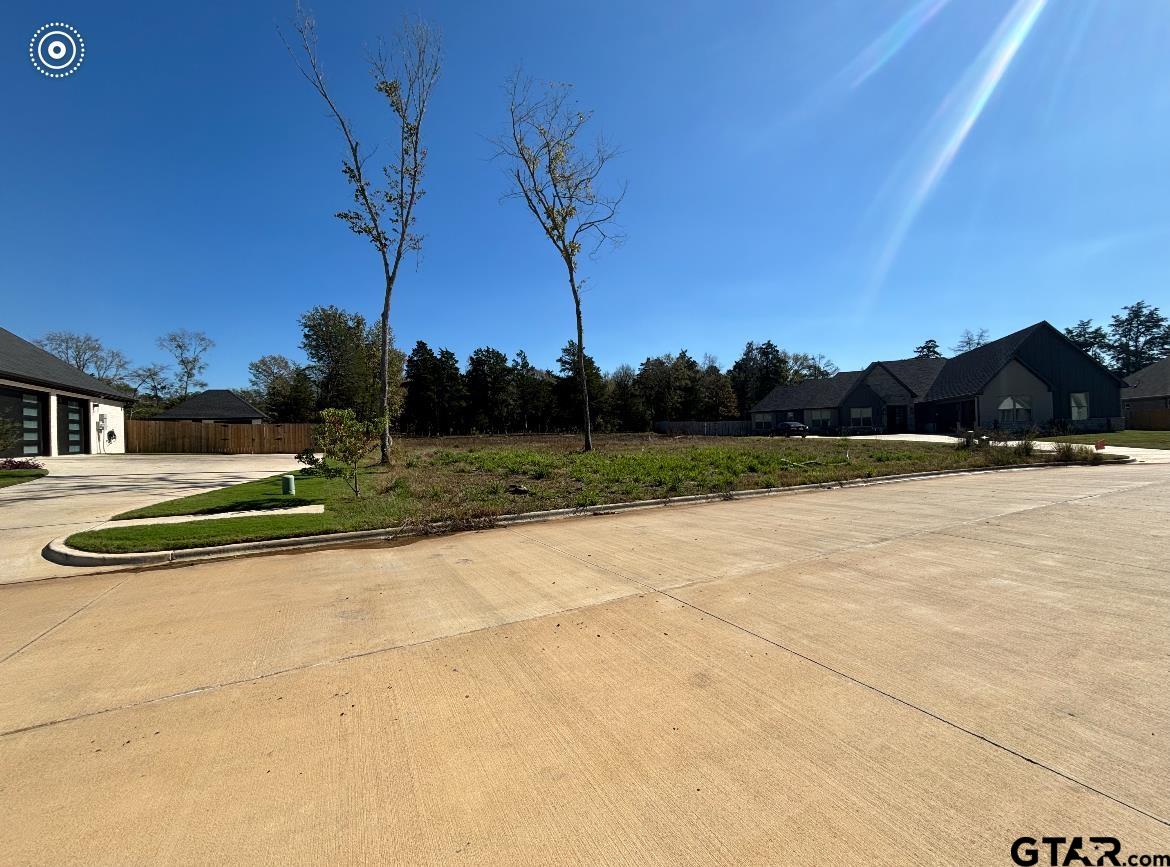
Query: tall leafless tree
x,y
188,349
383,212
87,353
556,175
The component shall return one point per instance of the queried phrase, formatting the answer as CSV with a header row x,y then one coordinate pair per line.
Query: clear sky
x,y
839,177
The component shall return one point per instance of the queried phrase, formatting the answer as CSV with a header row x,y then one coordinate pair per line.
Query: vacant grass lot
x,y
469,481
15,477
1145,439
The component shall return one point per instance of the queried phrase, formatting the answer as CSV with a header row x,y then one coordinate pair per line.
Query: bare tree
x,y
88,354
385,214
188,349
152,380
969,340
556,176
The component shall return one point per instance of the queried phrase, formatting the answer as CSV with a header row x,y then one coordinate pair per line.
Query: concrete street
x,y
914,672
82,491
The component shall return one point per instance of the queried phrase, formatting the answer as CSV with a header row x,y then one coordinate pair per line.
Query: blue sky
x,y
794,175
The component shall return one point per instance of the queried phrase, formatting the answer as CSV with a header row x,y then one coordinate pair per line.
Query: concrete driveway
x,y
908,673
84,490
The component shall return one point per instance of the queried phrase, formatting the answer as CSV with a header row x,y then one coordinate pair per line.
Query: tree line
x,y
434,393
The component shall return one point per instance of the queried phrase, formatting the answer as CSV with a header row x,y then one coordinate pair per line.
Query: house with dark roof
x,y
1034,377
1149,388
54,408
218,405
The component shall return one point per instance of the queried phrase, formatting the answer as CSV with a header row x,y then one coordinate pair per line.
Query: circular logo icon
x,y
56,49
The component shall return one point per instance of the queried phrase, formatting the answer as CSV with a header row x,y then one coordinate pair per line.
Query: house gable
x,y
1068,370
1015,381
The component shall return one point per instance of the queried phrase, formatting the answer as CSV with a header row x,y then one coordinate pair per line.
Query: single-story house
x,y
1034,377
55,408
815,402
1149,388
216,405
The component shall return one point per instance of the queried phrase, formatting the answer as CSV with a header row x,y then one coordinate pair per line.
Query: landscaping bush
x,y
20,464
1077,454
1027,443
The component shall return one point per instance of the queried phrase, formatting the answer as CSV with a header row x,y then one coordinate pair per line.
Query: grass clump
x,y
8,478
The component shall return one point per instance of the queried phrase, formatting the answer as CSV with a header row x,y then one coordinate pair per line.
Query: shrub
x,y
314,466
20,464
1000,456
1070,453
1027,443
344,438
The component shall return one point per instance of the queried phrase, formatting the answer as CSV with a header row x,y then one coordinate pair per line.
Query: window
x,y
861,416
31,416
1015,410
818,417
1078,405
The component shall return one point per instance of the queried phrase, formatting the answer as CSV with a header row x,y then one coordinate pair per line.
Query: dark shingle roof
x,y
216,404
966,374
809,394
917,374
1152,381
26,362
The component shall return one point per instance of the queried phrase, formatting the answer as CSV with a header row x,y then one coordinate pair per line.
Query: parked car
x,y
792,429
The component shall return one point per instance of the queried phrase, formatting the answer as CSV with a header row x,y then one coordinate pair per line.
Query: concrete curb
x,y
58,552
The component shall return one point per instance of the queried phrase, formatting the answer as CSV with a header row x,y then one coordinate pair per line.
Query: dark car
x,y
791,429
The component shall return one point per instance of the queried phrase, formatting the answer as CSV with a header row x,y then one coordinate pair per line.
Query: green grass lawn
x,y
8,478
467,481
1144,439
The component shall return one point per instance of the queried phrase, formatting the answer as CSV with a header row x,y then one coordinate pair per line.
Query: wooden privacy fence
x,y
144,436
1148,419
704,428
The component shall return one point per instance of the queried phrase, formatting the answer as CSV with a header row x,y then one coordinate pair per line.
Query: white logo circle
x,y
56,49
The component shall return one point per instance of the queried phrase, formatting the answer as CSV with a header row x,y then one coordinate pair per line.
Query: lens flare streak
x,y
953,122
883,49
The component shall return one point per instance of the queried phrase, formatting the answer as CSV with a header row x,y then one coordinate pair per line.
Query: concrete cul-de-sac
x,y
909,672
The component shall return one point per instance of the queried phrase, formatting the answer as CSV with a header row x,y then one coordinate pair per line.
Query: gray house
x,y
1149,388
221,405
1034,377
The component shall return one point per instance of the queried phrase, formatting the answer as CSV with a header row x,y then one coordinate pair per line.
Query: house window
x,y
861,416
1015,410
818,417
1079,405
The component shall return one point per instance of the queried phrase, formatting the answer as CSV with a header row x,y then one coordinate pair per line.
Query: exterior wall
x,y
1068,370
765,422
863,396
878,390
52,419
1145,403
95,407
1013,381
99,442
